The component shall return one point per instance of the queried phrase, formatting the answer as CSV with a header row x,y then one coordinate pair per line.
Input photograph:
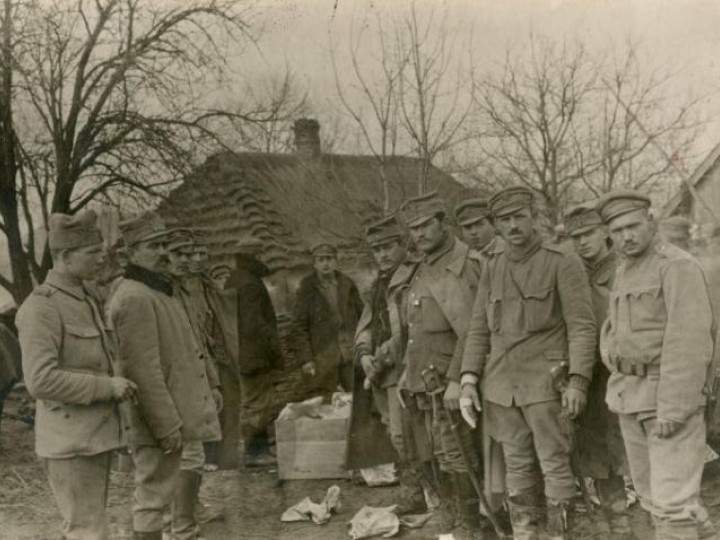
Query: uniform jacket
x,y
158,353
67,361
530,315
318,337
660,317
258,342
391,350
451,284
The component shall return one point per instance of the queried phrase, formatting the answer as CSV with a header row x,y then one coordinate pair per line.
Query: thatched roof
x,y
291,201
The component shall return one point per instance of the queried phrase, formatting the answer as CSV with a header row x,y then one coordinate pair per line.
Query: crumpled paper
x,y
383,521
307,510
315,408
380,475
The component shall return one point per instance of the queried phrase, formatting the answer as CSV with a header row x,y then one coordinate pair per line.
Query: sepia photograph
x,y
328,269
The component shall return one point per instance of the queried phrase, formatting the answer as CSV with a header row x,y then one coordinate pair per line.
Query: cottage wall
x,y
709,191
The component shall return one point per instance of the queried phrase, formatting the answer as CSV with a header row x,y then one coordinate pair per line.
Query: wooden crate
x,y
309,448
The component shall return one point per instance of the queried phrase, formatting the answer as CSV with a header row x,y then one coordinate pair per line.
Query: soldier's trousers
x,y
80,487
667,472
532,435
224,453
155,478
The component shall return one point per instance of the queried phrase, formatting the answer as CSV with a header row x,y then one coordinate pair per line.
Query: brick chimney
x,y
307,138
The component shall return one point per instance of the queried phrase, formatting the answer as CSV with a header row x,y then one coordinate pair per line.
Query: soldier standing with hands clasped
x,y
657,343
69,368
533,312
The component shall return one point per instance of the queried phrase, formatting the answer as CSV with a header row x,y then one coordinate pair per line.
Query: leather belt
x,y
638,367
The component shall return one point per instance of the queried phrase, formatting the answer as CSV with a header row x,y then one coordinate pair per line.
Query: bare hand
x,y
664,429
470,404
218,399
452,396
171,443
574,401
368,365
309,369
123,389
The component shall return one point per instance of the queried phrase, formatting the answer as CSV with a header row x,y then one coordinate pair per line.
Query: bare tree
x,y
111,97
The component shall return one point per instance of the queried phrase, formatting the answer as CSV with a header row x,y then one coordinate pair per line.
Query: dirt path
x,y
253,501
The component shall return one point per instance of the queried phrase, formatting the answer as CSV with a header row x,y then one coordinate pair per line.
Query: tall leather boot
x,y
560,519
526,512
412,495
155,535
468,509
611,492
184,519
447,509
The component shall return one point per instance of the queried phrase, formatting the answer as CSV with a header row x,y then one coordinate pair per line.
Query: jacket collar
x,y
453,257
154,280
60,281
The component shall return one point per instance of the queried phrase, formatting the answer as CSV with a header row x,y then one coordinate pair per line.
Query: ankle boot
x,y
184,520
412,495
447,510
526,512
468,509
155,535
560,519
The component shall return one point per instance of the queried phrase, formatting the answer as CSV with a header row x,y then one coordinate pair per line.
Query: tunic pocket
x,y
539,307
82,348
433,319
647,309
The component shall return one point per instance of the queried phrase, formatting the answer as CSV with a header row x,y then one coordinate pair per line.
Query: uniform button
x,y
410,340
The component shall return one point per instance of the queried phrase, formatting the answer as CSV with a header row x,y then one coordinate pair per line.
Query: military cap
x,y
471,211
69,232
249,244
383,231
510,200
179,238
621,201
323,249
143,228
221,269
582,218
418,210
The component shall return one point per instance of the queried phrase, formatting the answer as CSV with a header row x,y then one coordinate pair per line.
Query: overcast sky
x,y
682,35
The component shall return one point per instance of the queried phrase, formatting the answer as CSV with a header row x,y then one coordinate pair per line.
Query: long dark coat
x,y
258,341
319,337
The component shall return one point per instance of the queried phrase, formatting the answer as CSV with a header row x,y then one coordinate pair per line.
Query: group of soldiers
x,y
507,369
565,364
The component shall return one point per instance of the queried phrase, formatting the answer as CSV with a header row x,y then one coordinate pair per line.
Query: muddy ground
x,y
252,501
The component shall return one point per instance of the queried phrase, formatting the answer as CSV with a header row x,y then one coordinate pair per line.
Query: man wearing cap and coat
x,y
69,367
475,222
326,313
439,303
657,343
257,350
532,315
379,346
600,448
158,353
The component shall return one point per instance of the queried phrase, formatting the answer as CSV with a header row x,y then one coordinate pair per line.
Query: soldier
x,y
379,347
600,446
439,303
478,232
258,351
657,344
68,366
219,273
176,401
185,519
326,313
533,311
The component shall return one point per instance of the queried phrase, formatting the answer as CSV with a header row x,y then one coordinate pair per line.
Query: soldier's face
x,y
518,228
590,245
428,236
85,263
479,234
199,261
180,260
633,232
325,264
389,255
151,255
